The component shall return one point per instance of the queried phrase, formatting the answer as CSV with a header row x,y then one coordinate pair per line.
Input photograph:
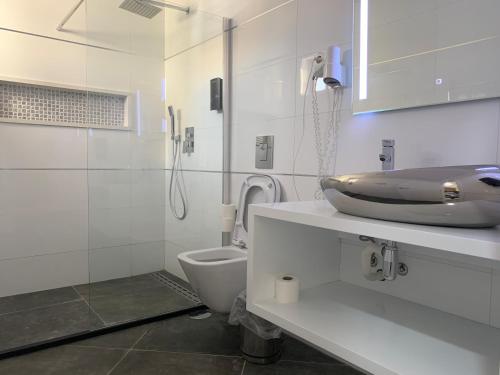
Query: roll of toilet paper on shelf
x,y
287,289
228,216
372,270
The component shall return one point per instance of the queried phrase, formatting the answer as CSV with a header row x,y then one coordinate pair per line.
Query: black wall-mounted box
x,y
216,94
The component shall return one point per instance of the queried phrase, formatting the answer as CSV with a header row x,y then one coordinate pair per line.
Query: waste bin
x,y
261,341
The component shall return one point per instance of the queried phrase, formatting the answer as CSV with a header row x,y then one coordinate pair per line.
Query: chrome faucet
x,y
387,155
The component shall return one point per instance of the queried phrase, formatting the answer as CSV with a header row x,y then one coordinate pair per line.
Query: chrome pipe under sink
x,y
456,196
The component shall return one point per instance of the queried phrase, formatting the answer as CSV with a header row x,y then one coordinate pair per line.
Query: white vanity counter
x,y
377,332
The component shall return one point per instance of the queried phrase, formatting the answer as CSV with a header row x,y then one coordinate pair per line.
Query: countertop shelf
x,y
481,243
385,334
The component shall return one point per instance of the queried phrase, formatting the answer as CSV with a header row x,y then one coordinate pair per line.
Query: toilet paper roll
x,y
228,216
287,289
372,270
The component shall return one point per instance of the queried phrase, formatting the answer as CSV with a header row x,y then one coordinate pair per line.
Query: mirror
x,y
416,53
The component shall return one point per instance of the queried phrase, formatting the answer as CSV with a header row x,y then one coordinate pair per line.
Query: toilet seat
x,y
255,189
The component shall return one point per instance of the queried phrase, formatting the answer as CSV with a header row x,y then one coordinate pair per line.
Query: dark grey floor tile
x,y
37,299
182,334
158,363
115,287
295,350
64,360
123,339
299,368
31,326
115,308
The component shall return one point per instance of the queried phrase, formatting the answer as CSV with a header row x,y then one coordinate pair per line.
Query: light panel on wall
x,y
363,50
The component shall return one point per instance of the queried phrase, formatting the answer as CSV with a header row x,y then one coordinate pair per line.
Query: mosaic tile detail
x,y
58,106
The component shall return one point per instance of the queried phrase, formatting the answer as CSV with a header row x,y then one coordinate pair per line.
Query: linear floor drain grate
x,y
176,287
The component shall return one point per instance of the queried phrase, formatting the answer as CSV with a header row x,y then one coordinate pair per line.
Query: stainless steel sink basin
x,y
458,196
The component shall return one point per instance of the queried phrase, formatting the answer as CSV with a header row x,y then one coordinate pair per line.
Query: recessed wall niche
x,y
46,104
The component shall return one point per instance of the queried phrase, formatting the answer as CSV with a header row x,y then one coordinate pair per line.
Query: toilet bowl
x,y
218,275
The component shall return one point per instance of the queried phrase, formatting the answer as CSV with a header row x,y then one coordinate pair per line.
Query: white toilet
x,y
218,275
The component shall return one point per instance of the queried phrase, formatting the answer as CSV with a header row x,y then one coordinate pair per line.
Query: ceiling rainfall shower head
x,y
149,8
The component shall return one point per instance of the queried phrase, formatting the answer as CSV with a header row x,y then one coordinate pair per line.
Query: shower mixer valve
x,y
188,144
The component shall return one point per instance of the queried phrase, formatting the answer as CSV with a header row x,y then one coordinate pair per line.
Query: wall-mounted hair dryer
x,y
329,67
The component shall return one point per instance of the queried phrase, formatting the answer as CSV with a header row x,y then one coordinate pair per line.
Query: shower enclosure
x,y
87,237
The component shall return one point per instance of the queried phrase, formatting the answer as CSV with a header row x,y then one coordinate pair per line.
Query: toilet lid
x,y
255,189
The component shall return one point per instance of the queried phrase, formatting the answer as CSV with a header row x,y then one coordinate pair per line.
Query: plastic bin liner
x,y
259,326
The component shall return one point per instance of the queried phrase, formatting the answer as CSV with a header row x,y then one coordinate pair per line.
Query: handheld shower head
x,y
172,121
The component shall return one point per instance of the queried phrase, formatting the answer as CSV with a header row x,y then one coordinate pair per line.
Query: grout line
x,y
88,304
41,307
251,19
243,368
150,170
189,353
127,353
193,46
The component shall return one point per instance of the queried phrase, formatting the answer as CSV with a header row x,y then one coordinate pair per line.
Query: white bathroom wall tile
x,y
322,23
35,206
266,39
239,11
243,136
126,261
188,78
37,232
89,24
147,151
148,188
110,263
172,264
187,84
25,190
109,149
147,257
42,59
201,227
107,70
452,134
147,224
265,93
41,16
303,188
28,146
128,32
25,275
110,227
187,31
109,188
207,153
305,138
457,290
